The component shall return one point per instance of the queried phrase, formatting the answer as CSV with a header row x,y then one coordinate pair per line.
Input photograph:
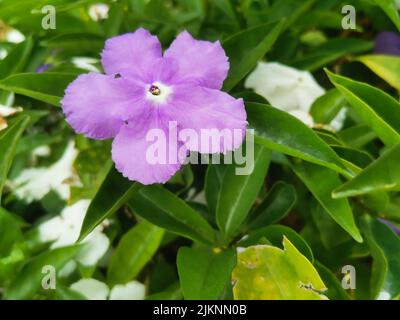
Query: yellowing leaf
x,y
386,67
265,272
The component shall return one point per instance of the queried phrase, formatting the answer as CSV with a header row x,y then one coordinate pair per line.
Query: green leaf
x,y
387,67
335,290
274,234
212,187
133,252
48,87
227,7
77,43
326,107
16,59
65,293
357,136
29,279
279,131
203,273
254,44
275,206
330,51
91,165
166,210
382,175
112,195
10,231
358,157
8,144
265,272
385,249
389,7
321,182
238,192
376,108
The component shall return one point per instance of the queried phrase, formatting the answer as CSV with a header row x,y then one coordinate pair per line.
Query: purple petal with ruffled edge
x,y
133,154
97,105
387,43
132,54
200,62
186,81
202,109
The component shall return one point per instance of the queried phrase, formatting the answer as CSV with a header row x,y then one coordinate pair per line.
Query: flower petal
x,y
142,159
92,289
201,62
95,247
131,53
97,105
131,291
286,88
204,110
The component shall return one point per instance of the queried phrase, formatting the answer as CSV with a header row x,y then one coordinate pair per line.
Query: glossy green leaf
x,y
29,279
387,67
275,206
8,144
203,273
389,7
265,272
335,290
330,51
321,182
10,231
376,108
254,44
385,249
166,210
357,157
212,187
326,107
47,87
112,194
133,252
238,192
284,133
357,136
383,174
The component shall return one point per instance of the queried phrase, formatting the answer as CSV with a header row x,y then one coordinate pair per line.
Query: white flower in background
x,y
131,291
34,183
91,289
94,289
3,53
86,63
63,230
7,110
288,89
398,4
42,151
14,36
98,11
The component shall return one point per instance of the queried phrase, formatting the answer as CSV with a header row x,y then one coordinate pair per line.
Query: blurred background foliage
x,y
322,194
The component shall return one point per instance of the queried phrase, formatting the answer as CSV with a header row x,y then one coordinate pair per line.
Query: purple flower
x,y
390,225
387,43
43,68
144,89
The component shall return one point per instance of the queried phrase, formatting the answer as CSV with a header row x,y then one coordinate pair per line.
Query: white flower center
x,y
158,93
